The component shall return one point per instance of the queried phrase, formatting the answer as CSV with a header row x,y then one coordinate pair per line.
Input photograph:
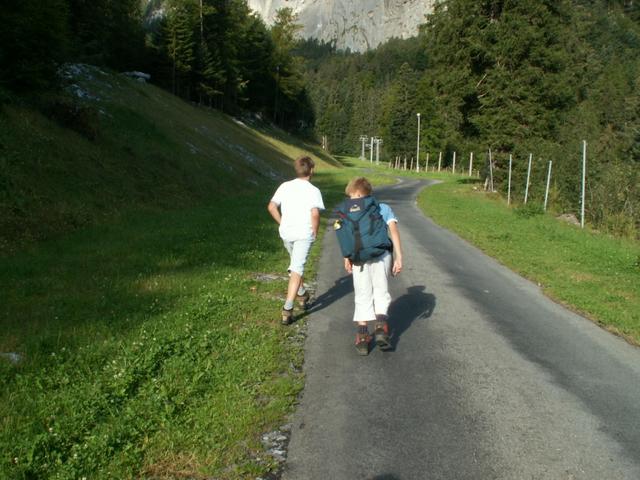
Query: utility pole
x,y
371,150
363,139
509,187
584,181
526,188
546,192
378,142
491,170
418,147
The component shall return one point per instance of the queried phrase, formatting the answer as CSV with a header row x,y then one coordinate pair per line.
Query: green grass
x,y
149,348
152,151
590,272
127,271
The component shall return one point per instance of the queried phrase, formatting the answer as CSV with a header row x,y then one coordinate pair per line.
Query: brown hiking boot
x,y
362,343
303,300
381,335
287,316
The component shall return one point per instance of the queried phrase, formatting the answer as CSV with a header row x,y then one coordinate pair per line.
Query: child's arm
x,y
394,233
315,221
274,211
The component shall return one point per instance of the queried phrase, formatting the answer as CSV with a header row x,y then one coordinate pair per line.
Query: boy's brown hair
x,y
303,166
359,184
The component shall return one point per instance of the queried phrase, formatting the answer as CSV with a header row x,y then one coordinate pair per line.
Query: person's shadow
x,y
343,286
413,305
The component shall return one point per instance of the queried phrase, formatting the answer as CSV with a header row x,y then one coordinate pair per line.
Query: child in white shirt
x,y
296,206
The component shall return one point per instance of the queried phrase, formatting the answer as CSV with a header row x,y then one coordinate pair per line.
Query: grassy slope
x,y
149,348
152,150
588,271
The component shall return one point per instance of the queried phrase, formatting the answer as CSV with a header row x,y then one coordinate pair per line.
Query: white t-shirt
x,y
296,198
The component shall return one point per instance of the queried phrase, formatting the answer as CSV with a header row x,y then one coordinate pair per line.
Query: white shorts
x,y
371,288
298,252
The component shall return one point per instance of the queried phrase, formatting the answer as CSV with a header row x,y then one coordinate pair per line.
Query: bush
x,y
529,210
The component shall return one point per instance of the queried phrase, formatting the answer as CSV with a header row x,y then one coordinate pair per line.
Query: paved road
x,y
488,379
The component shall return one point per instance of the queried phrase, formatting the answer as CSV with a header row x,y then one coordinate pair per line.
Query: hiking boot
x,y
303,300
362,343
381,335
287,316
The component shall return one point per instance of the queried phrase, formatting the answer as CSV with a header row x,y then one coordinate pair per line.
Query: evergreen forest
x,y
215,53
509,76
515,77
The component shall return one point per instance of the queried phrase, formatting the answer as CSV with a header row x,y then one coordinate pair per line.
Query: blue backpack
x,y
361,230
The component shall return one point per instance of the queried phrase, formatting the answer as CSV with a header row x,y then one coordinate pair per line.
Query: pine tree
x,y
399,121
288,69
180,36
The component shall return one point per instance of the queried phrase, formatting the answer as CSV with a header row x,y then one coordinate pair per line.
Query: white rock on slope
x,y
354,24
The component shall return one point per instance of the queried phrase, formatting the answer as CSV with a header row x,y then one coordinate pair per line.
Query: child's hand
x,y
397,266
348,266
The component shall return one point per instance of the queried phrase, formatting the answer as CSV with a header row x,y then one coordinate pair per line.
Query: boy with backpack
x,y
296,206
370,243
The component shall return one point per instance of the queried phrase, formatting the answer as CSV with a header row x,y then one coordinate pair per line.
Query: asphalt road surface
x,y
488,379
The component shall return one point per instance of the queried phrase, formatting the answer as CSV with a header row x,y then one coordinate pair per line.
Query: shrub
x,y
529,210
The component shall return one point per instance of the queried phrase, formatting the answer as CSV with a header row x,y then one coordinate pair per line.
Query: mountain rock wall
x,y
354,24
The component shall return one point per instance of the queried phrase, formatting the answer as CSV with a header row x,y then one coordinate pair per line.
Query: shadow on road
x,y
416,304
343,286
386,476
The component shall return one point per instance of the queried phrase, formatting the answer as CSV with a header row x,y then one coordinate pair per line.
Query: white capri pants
x,y
371,288
298,253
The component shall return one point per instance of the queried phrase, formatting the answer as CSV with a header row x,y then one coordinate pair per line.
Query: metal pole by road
x,y
491,171
363,139
453,170
546,193
509,187
470,163
418,147
439,160
371,150
584,181
378,142
526,189
426,167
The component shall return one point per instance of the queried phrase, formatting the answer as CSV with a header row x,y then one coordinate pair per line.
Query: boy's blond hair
x,y
360,184
303,166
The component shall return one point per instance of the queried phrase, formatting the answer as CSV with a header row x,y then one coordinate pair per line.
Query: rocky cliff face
x,y
355,24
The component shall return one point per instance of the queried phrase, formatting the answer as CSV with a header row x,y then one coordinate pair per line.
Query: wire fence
x,y
464,165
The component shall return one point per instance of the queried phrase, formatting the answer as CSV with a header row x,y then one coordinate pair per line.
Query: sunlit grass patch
x,y
145,343
588,271
149,344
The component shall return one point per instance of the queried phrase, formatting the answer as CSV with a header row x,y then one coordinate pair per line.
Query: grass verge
x,y
593,273
148,346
